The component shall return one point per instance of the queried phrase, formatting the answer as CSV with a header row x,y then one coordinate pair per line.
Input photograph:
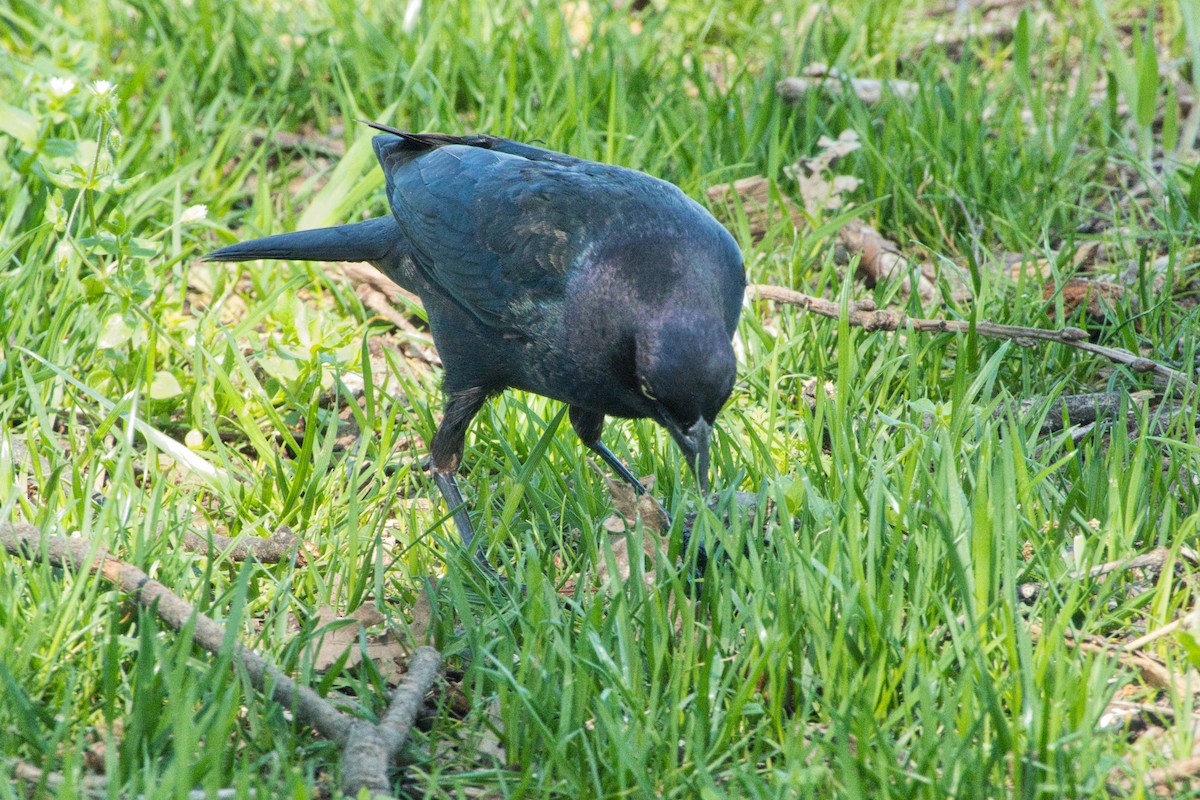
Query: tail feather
x,y
402,147
371,240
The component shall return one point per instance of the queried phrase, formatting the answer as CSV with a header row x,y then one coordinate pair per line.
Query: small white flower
x,y
61,87
62,254
193,214
102,88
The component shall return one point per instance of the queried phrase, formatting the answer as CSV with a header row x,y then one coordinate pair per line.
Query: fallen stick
x,y
1158,633
88,786
865,315
309,707
381,295
325,144
370,748
820,76
1070,410
1155,559
272,550
1185,771
1152,670
367,749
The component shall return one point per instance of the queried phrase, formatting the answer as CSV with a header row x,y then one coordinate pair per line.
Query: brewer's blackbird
x,y
592,284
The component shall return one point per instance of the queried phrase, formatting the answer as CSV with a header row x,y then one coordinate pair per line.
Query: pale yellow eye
x,y
645,387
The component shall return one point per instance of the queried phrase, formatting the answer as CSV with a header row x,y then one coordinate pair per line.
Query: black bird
x,y
592,284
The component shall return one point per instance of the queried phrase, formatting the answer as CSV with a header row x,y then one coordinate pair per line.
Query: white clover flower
x,y
61,87
102,88
193,214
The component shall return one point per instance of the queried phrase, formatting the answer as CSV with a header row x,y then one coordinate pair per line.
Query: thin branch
x,y
1187,620
866,316
1070,410
309,707
1151,669
87,786
1160,782
1155,559
276,548
367,749
370,748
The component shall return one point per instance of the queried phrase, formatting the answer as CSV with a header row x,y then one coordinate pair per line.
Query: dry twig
x,y
1155,559
368,748
1152,670
1070,410
279,546
866,316
327,144
309,707
820,76
88,785
383,296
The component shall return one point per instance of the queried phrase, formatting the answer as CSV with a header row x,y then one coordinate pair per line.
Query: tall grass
x,y
860,633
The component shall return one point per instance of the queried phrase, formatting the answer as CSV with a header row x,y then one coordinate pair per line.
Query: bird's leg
x,y
446,450
589,425
447,484
618,466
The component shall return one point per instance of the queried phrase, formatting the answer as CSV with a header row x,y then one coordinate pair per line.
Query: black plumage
x,y
592,284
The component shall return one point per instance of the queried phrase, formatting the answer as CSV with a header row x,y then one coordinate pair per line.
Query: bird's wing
x,y
497,232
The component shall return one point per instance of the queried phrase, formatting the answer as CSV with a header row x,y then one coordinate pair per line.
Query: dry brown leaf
x,y
1020,264
808,392
819,190
630,507
1090,254
880,260
653,545
754,197
386,650
1098,298
422,613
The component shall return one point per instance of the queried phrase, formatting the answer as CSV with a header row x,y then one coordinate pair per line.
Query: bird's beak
x,y
694,443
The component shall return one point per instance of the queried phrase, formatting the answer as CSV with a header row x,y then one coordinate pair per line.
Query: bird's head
x,y
685,369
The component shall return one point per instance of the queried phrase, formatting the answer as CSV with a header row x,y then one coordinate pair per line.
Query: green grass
x,y
863,637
